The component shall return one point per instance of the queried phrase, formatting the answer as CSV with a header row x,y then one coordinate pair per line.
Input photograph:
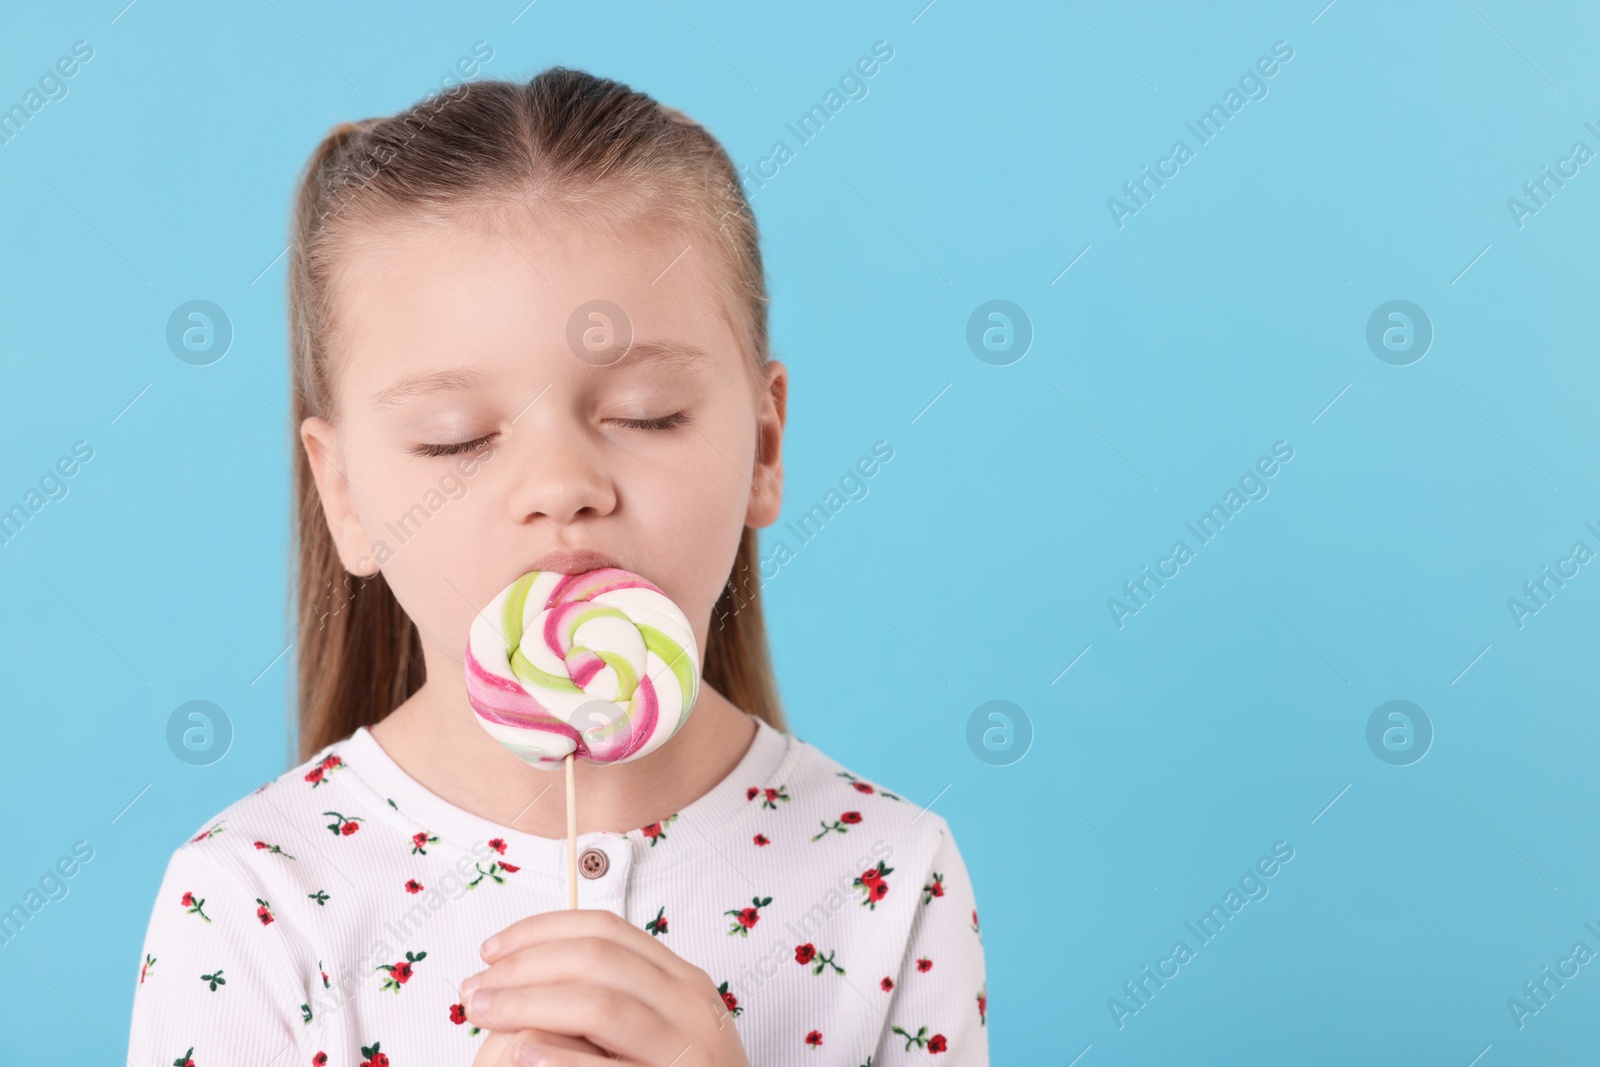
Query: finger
x,y
620,1023
544,1039
576,960
527,1051
585,922
552,1039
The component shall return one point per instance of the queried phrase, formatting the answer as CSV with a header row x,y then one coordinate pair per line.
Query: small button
x,y
593,862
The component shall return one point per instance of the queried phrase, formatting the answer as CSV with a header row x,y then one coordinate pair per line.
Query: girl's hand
x,y
591,975
501,1050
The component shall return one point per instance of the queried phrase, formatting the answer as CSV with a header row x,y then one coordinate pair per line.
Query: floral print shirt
x,y
328,918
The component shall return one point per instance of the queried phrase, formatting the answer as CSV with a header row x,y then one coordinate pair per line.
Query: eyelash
x,y
665,422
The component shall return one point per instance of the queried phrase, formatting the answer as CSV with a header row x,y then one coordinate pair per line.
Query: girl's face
x,y
484,420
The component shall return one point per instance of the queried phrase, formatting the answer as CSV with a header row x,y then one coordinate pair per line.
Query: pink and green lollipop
x,y
602,666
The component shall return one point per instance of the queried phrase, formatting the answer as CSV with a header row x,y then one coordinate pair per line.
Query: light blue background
x,y
1228,314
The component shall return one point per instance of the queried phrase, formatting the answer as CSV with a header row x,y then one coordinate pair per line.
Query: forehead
x,y
508,286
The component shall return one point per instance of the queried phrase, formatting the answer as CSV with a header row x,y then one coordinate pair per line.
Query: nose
x,y
556,469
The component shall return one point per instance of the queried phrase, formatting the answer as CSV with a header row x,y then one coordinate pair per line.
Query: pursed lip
x,y
572,561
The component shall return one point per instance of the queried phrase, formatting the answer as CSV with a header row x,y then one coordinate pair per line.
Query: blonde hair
x,y
564,139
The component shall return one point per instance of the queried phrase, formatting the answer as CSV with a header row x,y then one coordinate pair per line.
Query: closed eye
x,y
452,450
665,422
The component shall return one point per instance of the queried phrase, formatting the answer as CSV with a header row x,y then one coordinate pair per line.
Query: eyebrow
x,y
664,353
416,385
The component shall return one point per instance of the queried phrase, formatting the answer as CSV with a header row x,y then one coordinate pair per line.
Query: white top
x,y
282,930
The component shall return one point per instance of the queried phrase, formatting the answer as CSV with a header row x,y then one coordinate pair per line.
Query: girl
x,y
528,325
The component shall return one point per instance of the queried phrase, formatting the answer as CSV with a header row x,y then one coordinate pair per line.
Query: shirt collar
x,y
769,760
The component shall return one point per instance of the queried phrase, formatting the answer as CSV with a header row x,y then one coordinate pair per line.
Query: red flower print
x,y
752,792
762,839
872,882
196,905
274,848
320,1060
344,825
924,965
498,845
184,1060
261,844
862,787
729,1001
745,918
216,829
768,795
814,1038
933,889
149,962
656,831
264,912
319,774
374,1058
887,984
936,1043
419,842
413,886
805,953
399,973
458,1015
841,824
495,869
983,1007
658,925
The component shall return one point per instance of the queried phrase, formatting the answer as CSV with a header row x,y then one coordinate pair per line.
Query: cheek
x,y
697,511
427,543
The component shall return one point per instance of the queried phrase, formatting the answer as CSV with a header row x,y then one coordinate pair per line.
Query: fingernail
x,y
530,1055
490,945
480,1002
468,986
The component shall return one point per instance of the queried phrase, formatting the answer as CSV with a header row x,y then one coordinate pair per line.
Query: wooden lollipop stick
x,y
572,836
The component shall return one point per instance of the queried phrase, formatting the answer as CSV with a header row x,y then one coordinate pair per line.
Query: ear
x,y
766,479
338,497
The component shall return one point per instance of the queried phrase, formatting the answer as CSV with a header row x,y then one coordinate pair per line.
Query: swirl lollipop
x,y
601,665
